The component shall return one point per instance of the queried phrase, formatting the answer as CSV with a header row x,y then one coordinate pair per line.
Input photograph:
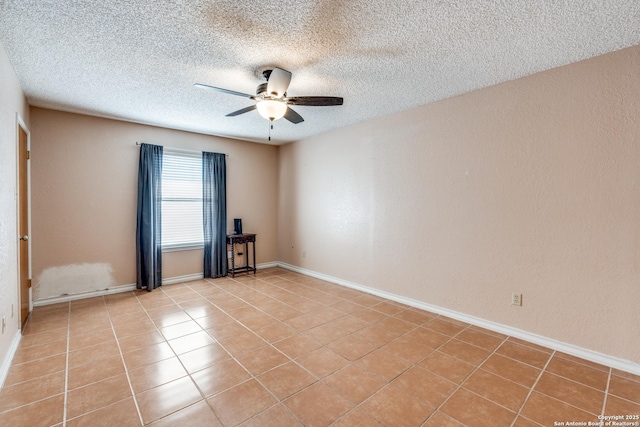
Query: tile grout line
x,y
550,355
33,379
321,380
414,365
522,361
465,378
555,374
254,377
126,370
606,392
66,367
175,354
238,293
293,360
581,362
542,371
189,374
416,326
566,403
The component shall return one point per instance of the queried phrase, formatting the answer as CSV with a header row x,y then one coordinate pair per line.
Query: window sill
x,y
187,247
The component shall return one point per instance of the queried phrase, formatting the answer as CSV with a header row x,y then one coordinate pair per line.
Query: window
x,y
181,199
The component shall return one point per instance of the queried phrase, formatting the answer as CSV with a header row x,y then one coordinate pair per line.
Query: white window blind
x,y
181,199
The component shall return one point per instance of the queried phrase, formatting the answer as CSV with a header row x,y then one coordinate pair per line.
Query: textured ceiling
x,y
137,60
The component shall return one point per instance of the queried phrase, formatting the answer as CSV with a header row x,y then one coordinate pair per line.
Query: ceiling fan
x,y
272,101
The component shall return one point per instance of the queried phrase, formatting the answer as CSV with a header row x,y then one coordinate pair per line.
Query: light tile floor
x,y
282,349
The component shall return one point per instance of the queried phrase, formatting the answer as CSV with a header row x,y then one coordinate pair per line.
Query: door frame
x,y
21,124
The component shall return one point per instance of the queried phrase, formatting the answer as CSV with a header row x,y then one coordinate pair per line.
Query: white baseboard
x,y
267,265
127,288
594,356
83,295
180,279
109,291
6,363
583,353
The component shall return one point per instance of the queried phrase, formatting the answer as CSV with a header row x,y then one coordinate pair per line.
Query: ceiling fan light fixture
x,y
271,109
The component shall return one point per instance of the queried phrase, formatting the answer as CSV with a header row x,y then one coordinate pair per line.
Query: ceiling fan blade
x,y
317,101
242,111
293,117
278,82
219,89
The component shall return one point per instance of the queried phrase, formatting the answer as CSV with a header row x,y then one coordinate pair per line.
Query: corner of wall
x,y
13,108
8,357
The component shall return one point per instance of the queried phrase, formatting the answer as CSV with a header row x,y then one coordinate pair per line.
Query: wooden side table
x,y
238,239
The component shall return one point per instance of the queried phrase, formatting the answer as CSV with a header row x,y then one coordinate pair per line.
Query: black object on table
x,y
238,239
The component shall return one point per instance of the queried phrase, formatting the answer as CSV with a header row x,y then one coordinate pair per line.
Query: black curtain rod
x,y
182,149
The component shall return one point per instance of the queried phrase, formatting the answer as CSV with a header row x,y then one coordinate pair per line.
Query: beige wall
x,y
84,174
12,103
531,186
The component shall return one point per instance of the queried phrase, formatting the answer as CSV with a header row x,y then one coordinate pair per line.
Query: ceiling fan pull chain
x,y
270,127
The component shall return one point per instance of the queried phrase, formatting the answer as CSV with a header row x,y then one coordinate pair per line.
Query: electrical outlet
x,y
304,254
516,299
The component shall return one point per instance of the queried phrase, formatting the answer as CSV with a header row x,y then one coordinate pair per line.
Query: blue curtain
x,y
214,210
149,231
